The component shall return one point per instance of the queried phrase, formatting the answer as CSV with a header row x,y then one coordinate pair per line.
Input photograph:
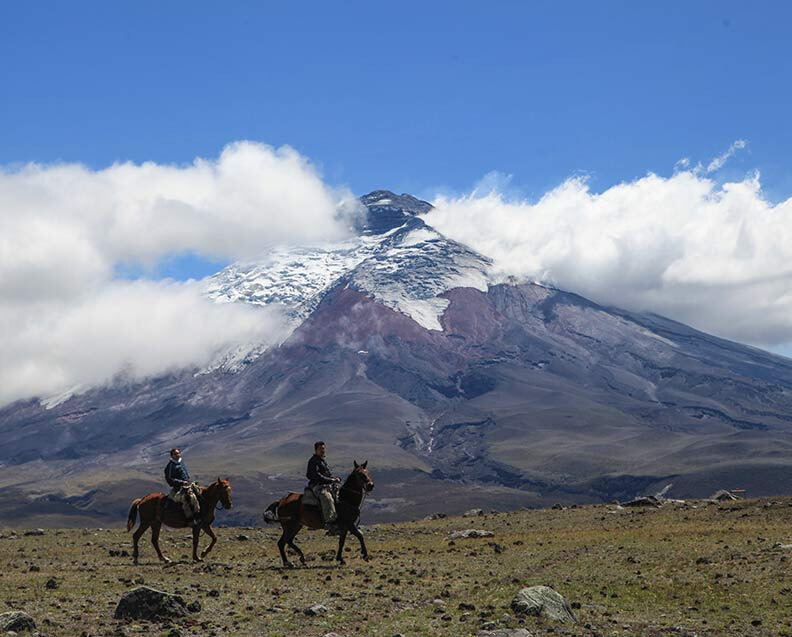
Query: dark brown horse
x,y
154,513
293,514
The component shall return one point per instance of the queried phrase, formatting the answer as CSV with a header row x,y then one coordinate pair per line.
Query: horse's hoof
x,y
197,559
166,560
288,565
367,558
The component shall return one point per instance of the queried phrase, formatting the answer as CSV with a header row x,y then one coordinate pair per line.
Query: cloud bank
x,y
715,256
66,321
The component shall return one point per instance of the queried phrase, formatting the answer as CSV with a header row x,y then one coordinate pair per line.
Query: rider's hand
x,y
336,479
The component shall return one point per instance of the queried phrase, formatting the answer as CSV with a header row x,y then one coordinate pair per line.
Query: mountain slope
x,y
403,352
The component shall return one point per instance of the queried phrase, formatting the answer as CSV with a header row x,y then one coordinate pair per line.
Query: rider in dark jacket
x,y
319,480
183,490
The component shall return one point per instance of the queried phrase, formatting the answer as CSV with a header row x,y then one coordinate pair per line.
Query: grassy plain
x,y
685,569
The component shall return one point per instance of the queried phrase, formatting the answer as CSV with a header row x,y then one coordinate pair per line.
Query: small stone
x,y
316,609
214,593
243,538
472,513
194,607
469,533
34,532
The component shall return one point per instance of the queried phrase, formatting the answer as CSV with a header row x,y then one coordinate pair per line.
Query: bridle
x,y
361,492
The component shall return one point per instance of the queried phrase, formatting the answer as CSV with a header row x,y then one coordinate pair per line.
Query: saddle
x,y
309,498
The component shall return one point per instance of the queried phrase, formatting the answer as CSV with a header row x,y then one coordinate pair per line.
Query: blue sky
x,y
412,96
98,257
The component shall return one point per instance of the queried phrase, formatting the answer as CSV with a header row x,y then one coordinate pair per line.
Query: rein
x,y
361,492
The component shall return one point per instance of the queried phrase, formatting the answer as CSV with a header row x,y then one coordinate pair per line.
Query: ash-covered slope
x,y
403,353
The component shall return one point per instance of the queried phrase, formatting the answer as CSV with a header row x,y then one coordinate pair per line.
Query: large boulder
x,y
543,600
16,621
149,603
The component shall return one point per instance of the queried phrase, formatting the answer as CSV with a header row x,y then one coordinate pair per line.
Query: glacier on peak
x,y
406,267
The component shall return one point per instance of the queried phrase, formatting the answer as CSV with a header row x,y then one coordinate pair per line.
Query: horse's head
x,y
224,491
362,475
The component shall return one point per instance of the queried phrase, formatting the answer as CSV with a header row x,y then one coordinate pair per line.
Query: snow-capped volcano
x,y
404,351
395,259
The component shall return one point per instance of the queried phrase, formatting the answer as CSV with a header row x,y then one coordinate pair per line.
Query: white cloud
x,y
66,321
718,162
716,256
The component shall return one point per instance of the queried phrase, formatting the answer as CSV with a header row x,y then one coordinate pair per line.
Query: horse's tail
x,y
132,517
271,513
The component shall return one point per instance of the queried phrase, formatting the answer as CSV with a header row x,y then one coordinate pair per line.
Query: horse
x,y
293,515
153,513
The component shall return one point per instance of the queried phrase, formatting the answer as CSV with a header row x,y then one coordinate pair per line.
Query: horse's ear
x,y
356,464
364,464
218,479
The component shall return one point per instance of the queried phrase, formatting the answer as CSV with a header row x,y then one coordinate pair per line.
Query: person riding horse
x,y
320,481
183,489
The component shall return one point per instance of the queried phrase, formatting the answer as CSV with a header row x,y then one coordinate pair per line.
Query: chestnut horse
x,y
154,513
293,514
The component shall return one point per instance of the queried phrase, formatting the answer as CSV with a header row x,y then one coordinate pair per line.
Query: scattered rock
x,y
722,496
34,532
435,516
543,600
16,621
242,537
468,533
52,583
644,501
149,603
471,513
316,609
194,607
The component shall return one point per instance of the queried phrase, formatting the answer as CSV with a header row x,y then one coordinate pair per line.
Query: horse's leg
x,y
155,531
297,549
289,532
210,532
356,532
341,540
136,538
196,531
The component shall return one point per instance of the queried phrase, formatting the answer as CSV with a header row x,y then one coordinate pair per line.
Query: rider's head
x,y
175,453
319,449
